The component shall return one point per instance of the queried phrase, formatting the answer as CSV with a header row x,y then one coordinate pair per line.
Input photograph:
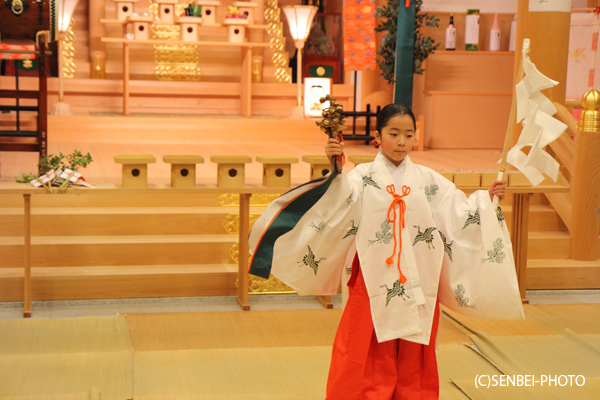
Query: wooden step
x,y
107,221
55,283
113,200
542,217
563,274
119,221
70,251
549,245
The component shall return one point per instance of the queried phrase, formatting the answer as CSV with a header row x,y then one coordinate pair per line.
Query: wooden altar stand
x,y
246,78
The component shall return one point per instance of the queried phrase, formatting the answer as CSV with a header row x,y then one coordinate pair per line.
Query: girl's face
x,y
397,138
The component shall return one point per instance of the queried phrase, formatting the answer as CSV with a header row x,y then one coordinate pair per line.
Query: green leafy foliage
x,y
26,178
424,45
78,160
52,162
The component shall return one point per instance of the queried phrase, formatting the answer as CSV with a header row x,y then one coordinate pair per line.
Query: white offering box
x,y
231,171
124,8
140,26
166,11
209,11
189,28
277,170
319,166
248,8
236,29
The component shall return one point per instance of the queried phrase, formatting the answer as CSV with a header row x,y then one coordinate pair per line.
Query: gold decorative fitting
x,y
68,51
257,285
98,66
234,253
231,223
275,30
589,119
174,62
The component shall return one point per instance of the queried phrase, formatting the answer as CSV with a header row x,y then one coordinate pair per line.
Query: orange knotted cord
x,y
407,5
392,209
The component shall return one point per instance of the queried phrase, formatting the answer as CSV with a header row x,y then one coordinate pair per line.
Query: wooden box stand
x,y
236,29
448,175
183,170
124,8
135,169
277,170
319,166
231,171
188,27
209,11
467,179
140,26
361,159
166,11
247,8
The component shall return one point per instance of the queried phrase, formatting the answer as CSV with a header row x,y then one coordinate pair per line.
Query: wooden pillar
x,y
549,35
27,256
96,32
246,84
244,252
519,237
126,79
585,188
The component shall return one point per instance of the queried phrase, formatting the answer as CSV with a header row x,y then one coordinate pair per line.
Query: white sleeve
x,y
478,274
310,257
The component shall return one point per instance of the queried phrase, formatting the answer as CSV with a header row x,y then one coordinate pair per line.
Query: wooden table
x,y
246,79
519,231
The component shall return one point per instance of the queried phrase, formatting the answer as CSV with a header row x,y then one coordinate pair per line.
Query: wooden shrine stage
x,y
151,245
105,136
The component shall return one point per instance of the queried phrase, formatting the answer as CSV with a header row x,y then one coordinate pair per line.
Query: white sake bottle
x,y
513,35
495,35
451,35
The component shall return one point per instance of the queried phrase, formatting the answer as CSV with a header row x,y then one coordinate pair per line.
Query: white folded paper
x,y
539,127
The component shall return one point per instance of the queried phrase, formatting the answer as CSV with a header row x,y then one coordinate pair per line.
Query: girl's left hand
x,y
497,188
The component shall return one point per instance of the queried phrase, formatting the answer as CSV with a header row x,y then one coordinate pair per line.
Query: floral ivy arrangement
x,y
59,170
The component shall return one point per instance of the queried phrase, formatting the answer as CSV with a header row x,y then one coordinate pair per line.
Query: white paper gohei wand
x,y
539,127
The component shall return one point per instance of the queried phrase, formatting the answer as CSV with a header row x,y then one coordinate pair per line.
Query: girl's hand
x,y
497,188
333,148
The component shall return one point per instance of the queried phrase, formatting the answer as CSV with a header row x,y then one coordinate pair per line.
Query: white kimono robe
x,y
452,246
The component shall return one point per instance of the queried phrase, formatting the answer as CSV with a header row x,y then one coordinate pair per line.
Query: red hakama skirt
x,y
363,369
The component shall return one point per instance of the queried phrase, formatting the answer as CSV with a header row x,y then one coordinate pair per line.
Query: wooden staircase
x,y
124,246
113,248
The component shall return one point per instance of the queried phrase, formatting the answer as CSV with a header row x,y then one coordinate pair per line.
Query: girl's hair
x,y
390,111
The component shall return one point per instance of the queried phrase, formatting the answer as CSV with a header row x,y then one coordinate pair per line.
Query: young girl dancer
x,y
410,240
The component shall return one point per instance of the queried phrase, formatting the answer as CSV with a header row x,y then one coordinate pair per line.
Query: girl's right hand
x,y
333,148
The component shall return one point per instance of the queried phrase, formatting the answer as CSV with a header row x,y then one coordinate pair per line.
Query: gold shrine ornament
x,y
275,30
589,119
68,51
173,62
